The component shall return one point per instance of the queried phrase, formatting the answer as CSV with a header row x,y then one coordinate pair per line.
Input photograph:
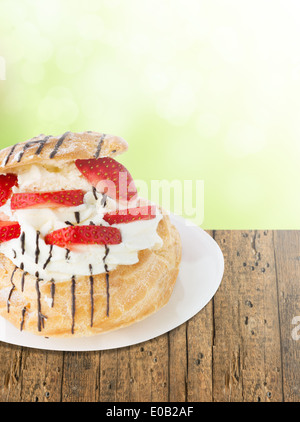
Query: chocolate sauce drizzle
x,y
95,193
23,276
52,291
25,147
99,146
58,144
67,256
104,200
69,223
92,294
22,238
49,257
41,317
37,249
9,154
23,318
73,286
15,254
77,217
107,279
12,288
42,144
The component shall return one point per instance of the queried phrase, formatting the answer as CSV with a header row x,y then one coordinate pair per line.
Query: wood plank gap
x,y
169,370
213,338
99,376
62,376
187,362
279,318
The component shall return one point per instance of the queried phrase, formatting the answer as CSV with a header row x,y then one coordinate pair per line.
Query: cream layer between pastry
x,y
30,251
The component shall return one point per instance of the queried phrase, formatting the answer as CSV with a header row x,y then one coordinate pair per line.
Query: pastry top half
x,y
66,147
79,268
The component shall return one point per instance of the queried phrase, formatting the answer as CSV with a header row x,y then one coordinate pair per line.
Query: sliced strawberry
x,y
63,198
9,230
131,214
108,176
7,181
85,235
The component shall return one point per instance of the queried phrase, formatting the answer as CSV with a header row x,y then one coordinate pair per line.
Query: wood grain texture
x,y
238,348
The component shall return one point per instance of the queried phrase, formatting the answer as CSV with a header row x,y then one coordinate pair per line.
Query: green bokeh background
x,y
205,90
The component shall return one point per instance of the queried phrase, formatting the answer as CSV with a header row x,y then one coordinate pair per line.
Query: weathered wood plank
x,y
287,255
30,374
149,370
123,375
200,336
159,369
141,361
246,352
200,332
108,375
80,377
10,372
178,374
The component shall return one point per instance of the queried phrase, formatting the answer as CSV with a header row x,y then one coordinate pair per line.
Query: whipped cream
x,y
60,263
32,178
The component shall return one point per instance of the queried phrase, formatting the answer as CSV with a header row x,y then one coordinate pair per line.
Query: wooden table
x,y
238,348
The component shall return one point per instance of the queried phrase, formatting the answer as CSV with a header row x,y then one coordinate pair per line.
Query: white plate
x,y
200,275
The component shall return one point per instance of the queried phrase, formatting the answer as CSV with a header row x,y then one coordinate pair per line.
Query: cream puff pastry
x,y
80,252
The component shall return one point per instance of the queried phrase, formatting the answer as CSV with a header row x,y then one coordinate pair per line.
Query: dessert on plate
x,y
80,252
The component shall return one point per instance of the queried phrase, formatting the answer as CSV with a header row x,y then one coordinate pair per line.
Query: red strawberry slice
x,y
7,181
131,214
9,230
108,176
85,235
63,198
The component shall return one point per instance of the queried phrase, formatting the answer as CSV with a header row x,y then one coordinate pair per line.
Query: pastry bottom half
x,y
84,306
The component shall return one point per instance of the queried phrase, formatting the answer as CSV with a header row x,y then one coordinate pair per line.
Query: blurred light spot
x,y
243,191
86,48
243,139
113,37
296,72
178,106
12,14
225,41
15,101
140,43
112,4
35,47
222,82
92,106
206,58
58,106
69,59
32,73
208,125
90,27
40,50
156,78
48,13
